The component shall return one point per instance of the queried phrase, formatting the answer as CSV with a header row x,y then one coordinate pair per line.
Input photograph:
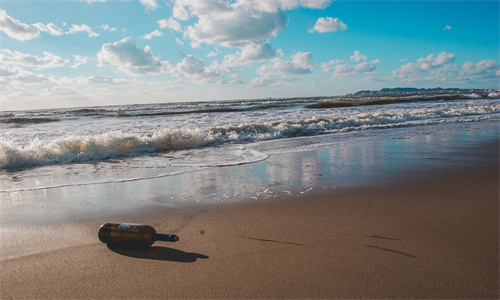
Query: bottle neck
x,y
166,237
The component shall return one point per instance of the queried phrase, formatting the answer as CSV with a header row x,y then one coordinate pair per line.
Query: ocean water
x,y
48,149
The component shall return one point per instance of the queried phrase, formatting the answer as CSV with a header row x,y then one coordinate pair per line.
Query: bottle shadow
x,y
158,253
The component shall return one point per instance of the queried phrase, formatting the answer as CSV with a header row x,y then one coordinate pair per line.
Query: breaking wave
x,y
116,144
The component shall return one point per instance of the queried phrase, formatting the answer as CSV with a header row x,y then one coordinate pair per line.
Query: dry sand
x,y
428,233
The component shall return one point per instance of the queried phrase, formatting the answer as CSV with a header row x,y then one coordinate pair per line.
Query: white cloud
x,y
195,68
153,34
447,73
170,23
441,68
23,32
275,5
179,41
125,56
367,67
50,28
59,91
424,64
303,60
214,52
180,11
232,82
484,69
329,24
262,81
150,4
82,28
357,56
228,24
448,27
17,76
410,69
16,29
191,65
320,4
16,58
6,71
230,63
429,62
236,23
257,52
300,64
80,80
249,54
108,28
270,6
326,66
100,79
31,79
345,70
79,60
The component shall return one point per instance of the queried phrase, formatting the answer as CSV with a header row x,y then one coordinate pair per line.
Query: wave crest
x,y
79,149
115,144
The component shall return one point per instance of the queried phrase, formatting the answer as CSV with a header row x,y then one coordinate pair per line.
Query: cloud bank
x,y
16,29
16,58
236,23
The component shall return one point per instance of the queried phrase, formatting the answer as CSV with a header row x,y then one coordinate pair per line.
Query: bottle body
x,y
131,235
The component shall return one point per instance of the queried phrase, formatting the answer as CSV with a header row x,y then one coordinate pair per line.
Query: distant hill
x,y
416,91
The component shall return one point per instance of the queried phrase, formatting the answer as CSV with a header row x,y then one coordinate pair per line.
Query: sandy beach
x,y
426,229
277,149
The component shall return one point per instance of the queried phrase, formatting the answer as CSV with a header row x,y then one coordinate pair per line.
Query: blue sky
x,y
64,53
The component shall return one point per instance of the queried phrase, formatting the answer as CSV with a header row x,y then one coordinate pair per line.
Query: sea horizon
x,y
392,92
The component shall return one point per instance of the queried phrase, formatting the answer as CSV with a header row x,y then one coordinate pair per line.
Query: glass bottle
x,y
132,235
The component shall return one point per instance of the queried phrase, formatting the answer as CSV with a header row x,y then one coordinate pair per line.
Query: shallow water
x,y
326,162
72,147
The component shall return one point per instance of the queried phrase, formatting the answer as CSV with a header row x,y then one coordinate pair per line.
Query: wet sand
x,y
427,230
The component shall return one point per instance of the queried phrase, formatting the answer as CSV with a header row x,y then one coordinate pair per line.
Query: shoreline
x,y
344,164
426,227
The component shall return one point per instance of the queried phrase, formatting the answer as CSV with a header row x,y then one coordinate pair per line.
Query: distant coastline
x,y
456,93
404,95
416,91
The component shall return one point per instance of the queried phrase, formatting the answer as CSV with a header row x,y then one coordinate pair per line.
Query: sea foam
x,y
76,149
97,139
